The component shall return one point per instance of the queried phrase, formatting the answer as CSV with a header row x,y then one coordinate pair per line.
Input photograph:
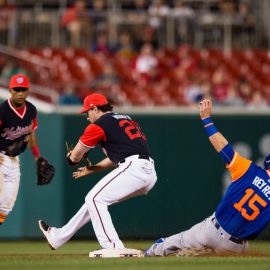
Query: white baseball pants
x,y
9,183
132,178
201,235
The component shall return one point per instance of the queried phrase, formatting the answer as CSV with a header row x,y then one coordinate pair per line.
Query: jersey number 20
x,y
251,198
132,129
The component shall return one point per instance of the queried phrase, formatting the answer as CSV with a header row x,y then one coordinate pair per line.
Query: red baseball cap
x,y
19,80
93,100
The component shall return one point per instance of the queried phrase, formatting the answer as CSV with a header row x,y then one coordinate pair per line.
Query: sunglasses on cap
x,y
20,89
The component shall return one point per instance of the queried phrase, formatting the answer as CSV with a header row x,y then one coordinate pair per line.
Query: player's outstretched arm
x,y
90,169
218,141
216,138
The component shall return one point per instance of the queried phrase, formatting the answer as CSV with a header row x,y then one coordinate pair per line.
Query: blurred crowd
x,y
135,63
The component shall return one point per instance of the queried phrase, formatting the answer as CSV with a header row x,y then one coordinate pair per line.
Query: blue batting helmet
x,y
267,162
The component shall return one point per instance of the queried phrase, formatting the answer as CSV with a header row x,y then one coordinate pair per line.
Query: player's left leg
x,y
193,239
132,178
10,181
57,237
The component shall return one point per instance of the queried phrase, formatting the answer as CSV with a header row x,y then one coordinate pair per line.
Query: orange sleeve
x,y
238,166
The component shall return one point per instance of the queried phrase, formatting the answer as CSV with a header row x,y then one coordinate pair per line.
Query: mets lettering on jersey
x,y
263,186
15,127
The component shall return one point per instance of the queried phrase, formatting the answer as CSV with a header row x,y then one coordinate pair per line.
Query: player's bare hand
x,y
82,171
205,107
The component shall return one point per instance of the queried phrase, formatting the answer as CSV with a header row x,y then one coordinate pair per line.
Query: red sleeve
x,y
92,135
35,124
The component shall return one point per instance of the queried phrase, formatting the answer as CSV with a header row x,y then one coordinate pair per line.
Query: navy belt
x,y
232,238
139,157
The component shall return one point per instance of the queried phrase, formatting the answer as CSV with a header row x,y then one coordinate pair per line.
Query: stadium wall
x,y
191,177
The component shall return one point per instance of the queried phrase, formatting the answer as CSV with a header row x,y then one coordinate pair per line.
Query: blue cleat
x,y
149,251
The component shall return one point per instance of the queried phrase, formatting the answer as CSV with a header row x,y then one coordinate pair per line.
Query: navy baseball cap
x,y
267,162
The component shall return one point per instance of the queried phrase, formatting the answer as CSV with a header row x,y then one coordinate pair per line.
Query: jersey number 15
x,y
251,198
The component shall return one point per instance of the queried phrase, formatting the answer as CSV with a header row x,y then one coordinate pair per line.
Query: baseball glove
x,y
45,171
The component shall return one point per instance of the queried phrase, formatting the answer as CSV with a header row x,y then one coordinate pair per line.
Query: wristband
x,y
35,151
207,121
209,126
70,162
210,130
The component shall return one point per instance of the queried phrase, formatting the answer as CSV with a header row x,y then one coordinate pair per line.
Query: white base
x,y
116,253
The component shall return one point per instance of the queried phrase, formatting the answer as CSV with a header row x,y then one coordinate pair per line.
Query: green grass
x,y
36,255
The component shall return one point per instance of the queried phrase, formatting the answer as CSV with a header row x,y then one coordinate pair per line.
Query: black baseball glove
x,y
45,171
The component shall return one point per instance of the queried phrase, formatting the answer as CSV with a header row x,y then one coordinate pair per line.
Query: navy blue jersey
x,y
245,209
15,128
118,135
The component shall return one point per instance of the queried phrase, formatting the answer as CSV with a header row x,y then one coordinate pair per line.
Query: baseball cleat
x,y
193,252
46,231
149,251
116,253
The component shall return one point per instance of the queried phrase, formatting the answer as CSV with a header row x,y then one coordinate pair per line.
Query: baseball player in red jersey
x,y
242,214
127,151
18,122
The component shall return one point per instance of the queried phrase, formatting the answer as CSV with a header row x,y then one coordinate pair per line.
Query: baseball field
x,y
36,255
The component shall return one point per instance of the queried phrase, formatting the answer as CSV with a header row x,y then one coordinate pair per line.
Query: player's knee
x,y
89,199
93,201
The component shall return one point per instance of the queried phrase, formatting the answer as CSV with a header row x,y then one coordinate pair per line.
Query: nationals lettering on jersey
x,y
118,135
15,128
245,209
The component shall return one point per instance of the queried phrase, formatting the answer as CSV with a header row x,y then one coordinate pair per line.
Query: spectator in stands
x,y
220,86
157,10
227,7
6,16
76,21
140,7
11,68
125,47
108,84
98,17
197,90
102,44
184,59
185,20
245,90
138,18
247,22
257,101
148,35
233,98
146,65
69,96
107,79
